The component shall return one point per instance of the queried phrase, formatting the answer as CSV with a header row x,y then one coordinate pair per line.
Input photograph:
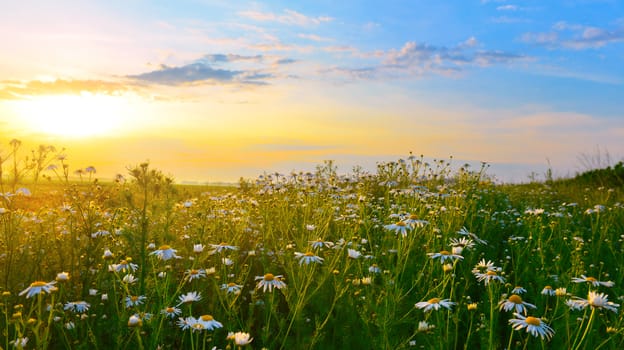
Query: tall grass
x,y
143,264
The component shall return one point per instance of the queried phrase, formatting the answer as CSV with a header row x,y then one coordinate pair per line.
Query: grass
x,y
348,259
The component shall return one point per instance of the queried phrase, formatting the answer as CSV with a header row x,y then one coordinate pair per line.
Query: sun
x,y
74,116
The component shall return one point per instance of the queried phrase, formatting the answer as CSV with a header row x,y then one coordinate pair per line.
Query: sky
x,y
217,90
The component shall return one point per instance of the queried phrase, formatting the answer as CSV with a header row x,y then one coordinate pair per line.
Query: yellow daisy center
x,y
433,300
134,298
269,277
534,321
309,254
223,244
516,299
194,272
548,287
38,284
198,326
590,279
400,223
170,309
445,252
413,217
164,247
207,318
232,284
491,273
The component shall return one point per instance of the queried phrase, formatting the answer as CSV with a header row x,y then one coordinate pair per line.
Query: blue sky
x,y
513,83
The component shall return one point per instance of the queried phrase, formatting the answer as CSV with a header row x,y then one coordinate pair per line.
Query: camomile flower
x,y
135,321
123,266
515,302
198,248
269,281
353,254
425,327
434,304
533,325
77,306
192,323
489,276
374,269
458,245
134,300
189,297
240,338
445,255
19,343
518,290
62,277
171,312
39,287
129,279
209,322
192,274
413,221
165,252
595,300
319,243
464,232
483,266
231,288
548,290
593,281
307,258
218,248
399,227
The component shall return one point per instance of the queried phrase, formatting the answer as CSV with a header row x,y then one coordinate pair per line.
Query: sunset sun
x,y
72,115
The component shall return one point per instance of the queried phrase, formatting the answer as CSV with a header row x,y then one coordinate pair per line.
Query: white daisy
x,y
435,304
533,325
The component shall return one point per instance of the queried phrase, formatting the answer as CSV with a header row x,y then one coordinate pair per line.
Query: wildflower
x,y
414,222
472,306
209,322
435,303
62,277
515,302
192,323
192,274
374,269
218,248
447,268
133,300
533,325
307,258
171,312
518,290
593,281
231,288
135,321
165,252
366,281
198,248
268,281
595,300
561,292
129,279
458,245
425,327
483,266
227,261
464,232
77,306
399,228
108,254
239,338
123,266
353,254
548,290
19,343
70,325
38,287
445,255
189,297
489,276
319,243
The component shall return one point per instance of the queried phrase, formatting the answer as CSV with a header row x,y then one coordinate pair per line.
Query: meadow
x,y
415,255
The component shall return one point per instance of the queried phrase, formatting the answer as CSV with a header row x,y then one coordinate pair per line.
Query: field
x,y
415,255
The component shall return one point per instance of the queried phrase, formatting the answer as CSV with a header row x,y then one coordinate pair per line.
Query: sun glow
x,y
73,115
